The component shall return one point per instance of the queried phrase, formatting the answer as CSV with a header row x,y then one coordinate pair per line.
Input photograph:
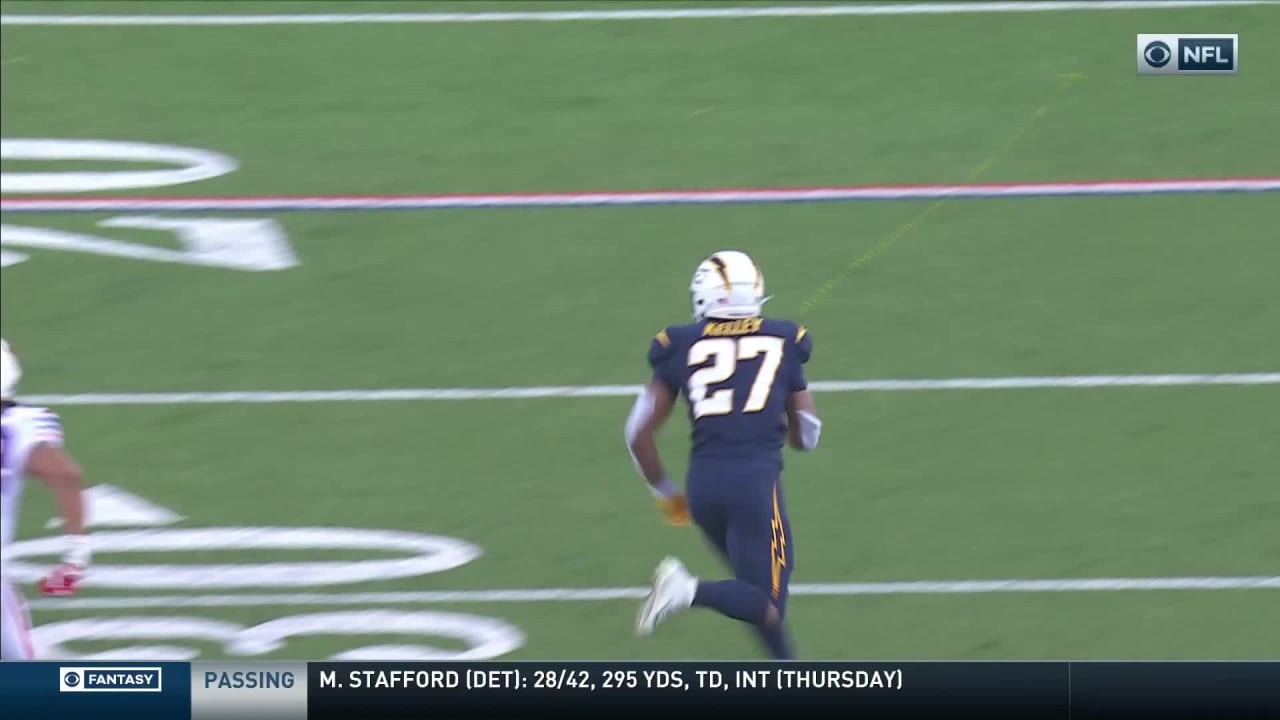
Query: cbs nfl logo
x,y
1188,54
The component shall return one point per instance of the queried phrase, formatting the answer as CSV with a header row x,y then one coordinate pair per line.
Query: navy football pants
x,y
740,509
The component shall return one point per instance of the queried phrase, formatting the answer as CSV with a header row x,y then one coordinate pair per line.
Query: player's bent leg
x,y
733,598
782,553
15,625
709,510
765,561
782,562
777,641
713,502
748,600
752,534
745,601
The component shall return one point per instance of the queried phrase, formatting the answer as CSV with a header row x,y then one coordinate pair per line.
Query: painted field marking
x,y
882,246
581,391
725,196
925,587
727,13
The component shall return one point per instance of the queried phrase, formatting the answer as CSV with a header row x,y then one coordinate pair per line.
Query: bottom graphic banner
x,y
743,691
238,690
230,690
98,690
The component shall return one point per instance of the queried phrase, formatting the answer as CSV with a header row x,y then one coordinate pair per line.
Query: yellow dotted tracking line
x,y
888,241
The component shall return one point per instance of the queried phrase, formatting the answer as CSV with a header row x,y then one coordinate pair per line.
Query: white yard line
x,y
929,587
730,13
579,391
712,196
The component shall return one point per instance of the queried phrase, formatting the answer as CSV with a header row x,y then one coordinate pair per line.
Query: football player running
x,y
31,444
742,376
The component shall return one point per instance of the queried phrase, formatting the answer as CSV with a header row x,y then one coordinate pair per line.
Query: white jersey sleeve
x,y
25,428
22,429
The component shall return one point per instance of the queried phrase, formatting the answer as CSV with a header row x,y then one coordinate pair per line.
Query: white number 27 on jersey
x,y
724,354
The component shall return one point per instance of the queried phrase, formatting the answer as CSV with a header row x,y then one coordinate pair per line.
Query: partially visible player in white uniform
x,y
31,445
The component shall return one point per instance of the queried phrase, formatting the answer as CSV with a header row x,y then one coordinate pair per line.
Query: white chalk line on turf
x,y
724,13
721,196
580,391
927,587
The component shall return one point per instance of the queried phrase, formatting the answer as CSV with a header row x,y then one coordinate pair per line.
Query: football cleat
x,y
62,580
673,591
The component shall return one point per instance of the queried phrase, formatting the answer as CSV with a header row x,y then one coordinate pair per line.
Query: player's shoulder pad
x,y
38,420
661,347
802,340
32,413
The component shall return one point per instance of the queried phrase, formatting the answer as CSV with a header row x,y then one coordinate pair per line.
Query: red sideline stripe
x,y
653,197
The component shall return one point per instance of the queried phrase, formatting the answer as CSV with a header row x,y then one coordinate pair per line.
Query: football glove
x,y
675,510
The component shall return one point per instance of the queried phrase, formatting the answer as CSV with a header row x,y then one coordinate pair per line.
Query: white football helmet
x,y
727,286
10,371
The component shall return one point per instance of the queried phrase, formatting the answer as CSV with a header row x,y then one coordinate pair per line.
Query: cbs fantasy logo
x,y
1188,54
99,678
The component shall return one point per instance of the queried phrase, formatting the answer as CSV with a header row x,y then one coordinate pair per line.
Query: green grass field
x,y
1038,483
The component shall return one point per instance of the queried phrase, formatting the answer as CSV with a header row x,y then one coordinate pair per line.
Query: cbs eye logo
x,y
72,679
1157,54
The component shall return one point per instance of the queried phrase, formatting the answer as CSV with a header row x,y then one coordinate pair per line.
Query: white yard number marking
x,y
724,354
482,637
195,164
485,638
109,506
244,244
251,245
423,555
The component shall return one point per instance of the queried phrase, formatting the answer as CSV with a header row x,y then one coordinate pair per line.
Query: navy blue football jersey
x,y
736,377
